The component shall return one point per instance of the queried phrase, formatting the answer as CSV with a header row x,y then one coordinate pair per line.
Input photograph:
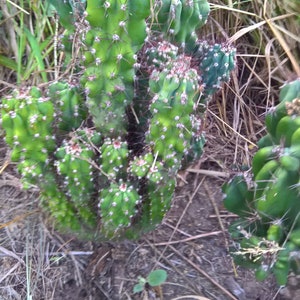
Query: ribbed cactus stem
x,y
73,164
110,58
216,63
67,216
175,92
27,118
178,20
69,105
161,196
117,207
114,155
141,165
160,54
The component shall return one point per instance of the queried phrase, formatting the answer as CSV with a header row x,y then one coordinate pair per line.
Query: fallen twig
x,y
189,238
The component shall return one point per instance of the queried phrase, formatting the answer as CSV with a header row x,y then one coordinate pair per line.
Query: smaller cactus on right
x,y
217,61
268,202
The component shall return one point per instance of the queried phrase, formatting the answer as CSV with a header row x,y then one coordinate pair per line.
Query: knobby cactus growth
x,y
268,202
106,146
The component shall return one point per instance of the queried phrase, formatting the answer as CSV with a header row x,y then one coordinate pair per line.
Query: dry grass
x,y
35,262
266,35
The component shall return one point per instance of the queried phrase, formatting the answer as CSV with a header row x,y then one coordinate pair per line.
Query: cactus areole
x,y
106,147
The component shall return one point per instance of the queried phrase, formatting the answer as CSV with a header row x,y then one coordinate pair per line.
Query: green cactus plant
x,y
110,142
268,201
28,118
178,20
117,206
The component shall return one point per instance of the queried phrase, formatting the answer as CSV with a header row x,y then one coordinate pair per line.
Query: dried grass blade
x,y
241,136
12,254
230,8
287,32
244,31
10,271
285,47
195,237
18,7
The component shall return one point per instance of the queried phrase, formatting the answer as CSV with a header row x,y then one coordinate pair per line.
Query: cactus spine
x,y
110,143
268,204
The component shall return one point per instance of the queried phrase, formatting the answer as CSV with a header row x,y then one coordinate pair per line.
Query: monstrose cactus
x,y
268,202
106,146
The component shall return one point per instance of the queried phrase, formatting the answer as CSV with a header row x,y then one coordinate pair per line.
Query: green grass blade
x,y
8,63
21,46
36,52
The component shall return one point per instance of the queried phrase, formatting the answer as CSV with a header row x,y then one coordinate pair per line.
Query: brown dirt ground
x,y
191,245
